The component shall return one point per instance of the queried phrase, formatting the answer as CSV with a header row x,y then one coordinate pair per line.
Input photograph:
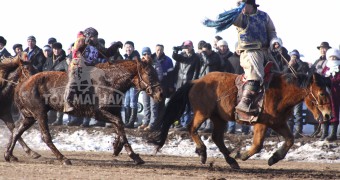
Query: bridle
x,y
315,102
148,87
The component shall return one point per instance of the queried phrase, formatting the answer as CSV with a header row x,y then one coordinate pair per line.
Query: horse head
x,y
318,98
147,80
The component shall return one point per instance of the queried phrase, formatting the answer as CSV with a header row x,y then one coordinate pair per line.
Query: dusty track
x,y
102,165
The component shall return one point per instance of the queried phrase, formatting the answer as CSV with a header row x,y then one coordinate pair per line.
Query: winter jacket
x,y
225,63
319,65
335,94
36,57
299,67
58,65
281,59
209,63
167,81
186,68
132,55
235,65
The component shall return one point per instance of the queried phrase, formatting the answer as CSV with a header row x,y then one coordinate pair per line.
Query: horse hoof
x,y
67,162
232,163
272,160
10,158
236,155
137,159
244,156
203,159
35,155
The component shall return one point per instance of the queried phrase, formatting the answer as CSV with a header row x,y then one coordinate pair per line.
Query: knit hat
x,y
32,38
51,40
222,43
57,45
295,53
47,48
130,43
333,52
3,41
17,46
146,50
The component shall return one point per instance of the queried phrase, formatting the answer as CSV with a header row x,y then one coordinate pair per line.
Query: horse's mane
x,y
303,80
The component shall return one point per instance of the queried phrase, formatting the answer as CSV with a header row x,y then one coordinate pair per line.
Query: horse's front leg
x,y
121,140
25,124
10,125
258,139
284,131
47,138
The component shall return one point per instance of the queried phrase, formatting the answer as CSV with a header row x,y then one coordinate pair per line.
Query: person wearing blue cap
x,y
150,106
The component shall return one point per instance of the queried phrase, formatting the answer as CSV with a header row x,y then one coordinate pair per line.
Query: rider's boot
x,y
250,91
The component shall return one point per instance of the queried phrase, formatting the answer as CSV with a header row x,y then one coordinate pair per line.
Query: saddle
x,y
258,101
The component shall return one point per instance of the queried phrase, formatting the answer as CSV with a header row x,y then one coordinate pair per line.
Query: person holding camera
x,y
187,68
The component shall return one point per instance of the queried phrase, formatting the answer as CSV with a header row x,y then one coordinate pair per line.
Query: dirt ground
x,y
102,165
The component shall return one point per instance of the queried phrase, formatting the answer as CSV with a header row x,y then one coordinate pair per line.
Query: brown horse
x,y
102,100
215,96
13,71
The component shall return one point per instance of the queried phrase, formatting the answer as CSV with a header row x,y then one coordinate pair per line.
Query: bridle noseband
x,y
148,87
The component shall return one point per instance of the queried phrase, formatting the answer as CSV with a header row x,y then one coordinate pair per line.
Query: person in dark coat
x,y
3,51
320,63
279,53
225,54
56,62
187,68
210,61
295,65
35,54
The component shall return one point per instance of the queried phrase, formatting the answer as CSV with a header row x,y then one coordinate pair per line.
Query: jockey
x,y
255,31
88,49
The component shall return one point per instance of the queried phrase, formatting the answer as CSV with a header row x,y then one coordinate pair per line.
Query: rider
x,y
255,31
86,46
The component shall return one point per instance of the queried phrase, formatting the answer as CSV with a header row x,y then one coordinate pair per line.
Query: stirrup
x,y
246,109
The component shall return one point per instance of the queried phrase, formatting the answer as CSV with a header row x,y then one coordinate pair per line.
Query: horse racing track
x,y
102,165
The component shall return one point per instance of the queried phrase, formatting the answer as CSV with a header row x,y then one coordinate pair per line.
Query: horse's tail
x,y
172,112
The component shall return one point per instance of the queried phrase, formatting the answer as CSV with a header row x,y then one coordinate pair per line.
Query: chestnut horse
x,y
12,71
44,91
214,96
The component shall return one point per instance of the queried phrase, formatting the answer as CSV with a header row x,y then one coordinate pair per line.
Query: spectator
x,y
47,51
216,39
332,70
186,69
320,63
51,41
17,48
295,65
280,54
3,51
131,96
225,53
151,110
35,54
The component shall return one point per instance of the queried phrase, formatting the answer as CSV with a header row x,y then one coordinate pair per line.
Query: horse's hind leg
x,y
284,131
201,149
10,125
25,123
218,137
258,139
122,137
46,136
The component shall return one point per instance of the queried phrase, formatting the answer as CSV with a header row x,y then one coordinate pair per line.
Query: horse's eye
x,y
322,94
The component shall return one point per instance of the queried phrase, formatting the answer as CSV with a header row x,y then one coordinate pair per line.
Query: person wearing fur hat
x,y
3,51
17,48
332,70
279,53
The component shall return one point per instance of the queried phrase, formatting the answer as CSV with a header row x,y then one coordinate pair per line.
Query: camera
x,y
177,48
